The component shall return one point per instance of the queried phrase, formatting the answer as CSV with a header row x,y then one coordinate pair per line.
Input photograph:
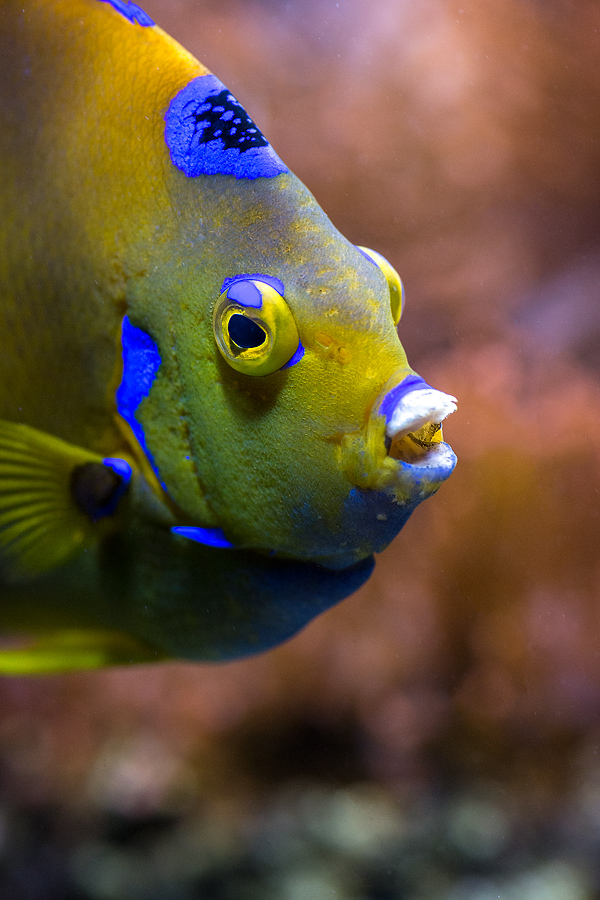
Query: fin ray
x,y
41,525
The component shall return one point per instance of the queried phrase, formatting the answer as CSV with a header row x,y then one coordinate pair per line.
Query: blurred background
x,y
436,736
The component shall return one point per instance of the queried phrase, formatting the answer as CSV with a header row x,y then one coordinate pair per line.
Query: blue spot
x,y
122,469
131,11
410,383
295,358
141,362
212,537
246,294
120,466
197,144
256,276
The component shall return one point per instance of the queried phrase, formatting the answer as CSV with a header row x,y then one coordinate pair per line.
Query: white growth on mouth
x,y
417,408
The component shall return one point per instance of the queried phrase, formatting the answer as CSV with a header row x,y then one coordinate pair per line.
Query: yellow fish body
x,y
208,423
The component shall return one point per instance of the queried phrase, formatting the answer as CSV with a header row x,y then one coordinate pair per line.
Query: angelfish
x,y
208,424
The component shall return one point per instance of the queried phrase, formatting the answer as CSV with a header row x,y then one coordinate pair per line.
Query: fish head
x,y
284,414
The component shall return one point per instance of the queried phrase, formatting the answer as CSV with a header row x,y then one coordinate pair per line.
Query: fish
x,y
208,424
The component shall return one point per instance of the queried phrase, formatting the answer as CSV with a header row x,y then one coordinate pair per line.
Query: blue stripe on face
x,y
141,362
131,11
211,537
209,133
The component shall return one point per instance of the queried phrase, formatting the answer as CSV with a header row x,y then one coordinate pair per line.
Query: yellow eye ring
x,y
393,279
254,328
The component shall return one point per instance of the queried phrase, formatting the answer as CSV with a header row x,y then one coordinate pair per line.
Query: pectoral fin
x,y
52,496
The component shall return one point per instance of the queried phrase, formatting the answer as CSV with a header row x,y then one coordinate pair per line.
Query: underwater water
x,y
434,737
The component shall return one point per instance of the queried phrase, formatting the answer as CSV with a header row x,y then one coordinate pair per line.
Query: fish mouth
x,y
400,450
422,449
393,463
414,413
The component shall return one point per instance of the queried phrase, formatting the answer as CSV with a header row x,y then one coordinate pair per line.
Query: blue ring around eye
x,y
254,276
295,358
245,293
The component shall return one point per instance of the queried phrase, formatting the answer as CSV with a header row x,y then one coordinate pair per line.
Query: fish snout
x,y
400,450
412,405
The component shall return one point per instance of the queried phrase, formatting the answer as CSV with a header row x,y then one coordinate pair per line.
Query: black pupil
x,y
246,333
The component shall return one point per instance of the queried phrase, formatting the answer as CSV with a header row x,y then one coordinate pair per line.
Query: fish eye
x,y
245,333
393,280
254,328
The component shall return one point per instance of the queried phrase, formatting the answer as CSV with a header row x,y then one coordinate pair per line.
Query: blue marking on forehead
x,y
255,276
131,11
246,294
410,383
210,133
211,537
141,362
